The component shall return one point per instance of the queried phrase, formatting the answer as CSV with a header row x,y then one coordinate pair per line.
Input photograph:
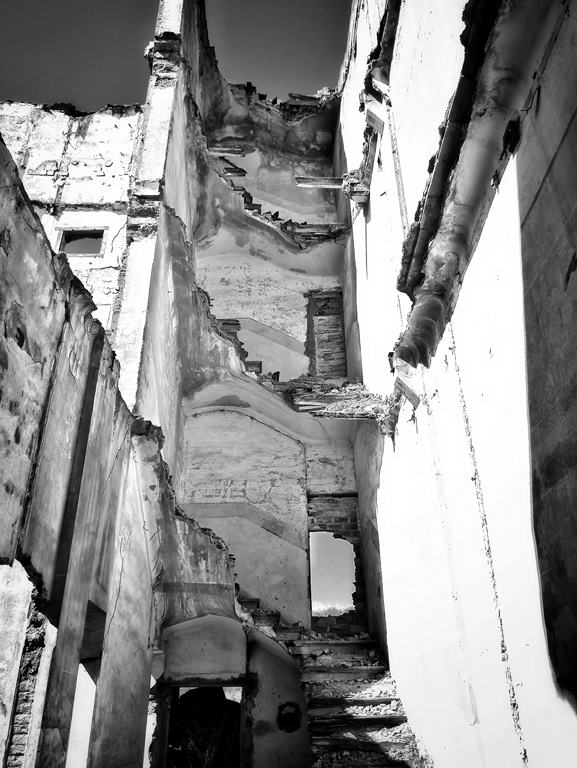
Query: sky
x,y
90,52
332,571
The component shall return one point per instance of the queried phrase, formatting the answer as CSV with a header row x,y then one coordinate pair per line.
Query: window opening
x,y
332,574
82,242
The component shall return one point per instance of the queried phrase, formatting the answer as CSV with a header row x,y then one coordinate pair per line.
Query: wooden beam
x,y
319,182
303,98
226,151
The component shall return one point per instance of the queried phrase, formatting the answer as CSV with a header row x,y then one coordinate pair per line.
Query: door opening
x,y
332,574
204,729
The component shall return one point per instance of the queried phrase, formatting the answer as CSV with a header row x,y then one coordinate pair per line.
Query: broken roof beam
x,y
231,173
217,151
319,182
359,406
320,228
375,121
298,99
304,97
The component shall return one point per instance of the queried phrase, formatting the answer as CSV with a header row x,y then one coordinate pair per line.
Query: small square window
x,y
82,242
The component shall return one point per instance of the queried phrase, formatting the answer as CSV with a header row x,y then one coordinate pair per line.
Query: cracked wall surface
x,y
95,522
214,252
76,169
450,495
116,563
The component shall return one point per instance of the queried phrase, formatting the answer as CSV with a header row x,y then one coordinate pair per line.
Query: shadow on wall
x,y
548,227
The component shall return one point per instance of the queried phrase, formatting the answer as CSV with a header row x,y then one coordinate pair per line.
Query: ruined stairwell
x,y
355,715
188,209
302,234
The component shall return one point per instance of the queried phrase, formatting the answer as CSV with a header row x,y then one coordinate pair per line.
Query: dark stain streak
x,y
570,269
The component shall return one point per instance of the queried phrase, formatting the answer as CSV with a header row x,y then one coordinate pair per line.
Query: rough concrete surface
x,y
261,349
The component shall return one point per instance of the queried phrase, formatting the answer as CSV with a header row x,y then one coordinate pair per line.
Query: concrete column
x,y
132,316
76,556
122,692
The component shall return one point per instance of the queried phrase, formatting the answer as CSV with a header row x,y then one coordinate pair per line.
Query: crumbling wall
x,y
76,169
270,174
29,693
31,315
368,449
326,335
15,599
451,498
67,157
234,236
183,350
102,274
246,480
93,518
169,571
246,278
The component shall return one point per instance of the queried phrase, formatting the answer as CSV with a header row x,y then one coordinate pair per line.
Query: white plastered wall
x,y
465,630
461,586
461,589
98,273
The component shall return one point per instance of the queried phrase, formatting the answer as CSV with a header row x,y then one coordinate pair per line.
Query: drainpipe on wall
x,y
515,49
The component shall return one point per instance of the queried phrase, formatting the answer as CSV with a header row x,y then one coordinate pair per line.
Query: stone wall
x,y
76,169
245,480
326,335
68,158
32,316
91,516
36,648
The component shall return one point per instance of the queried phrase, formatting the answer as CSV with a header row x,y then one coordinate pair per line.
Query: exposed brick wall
x,y
338,515
25,692
325,344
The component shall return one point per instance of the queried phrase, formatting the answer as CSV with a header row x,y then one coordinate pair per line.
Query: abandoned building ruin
x,y
230,324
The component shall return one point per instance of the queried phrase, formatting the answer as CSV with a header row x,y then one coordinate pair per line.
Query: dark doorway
x,y
204,730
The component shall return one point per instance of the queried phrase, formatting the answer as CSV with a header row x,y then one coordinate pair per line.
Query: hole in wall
x,y
289,717
15,325
570,269
332,574
82,242
19,337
